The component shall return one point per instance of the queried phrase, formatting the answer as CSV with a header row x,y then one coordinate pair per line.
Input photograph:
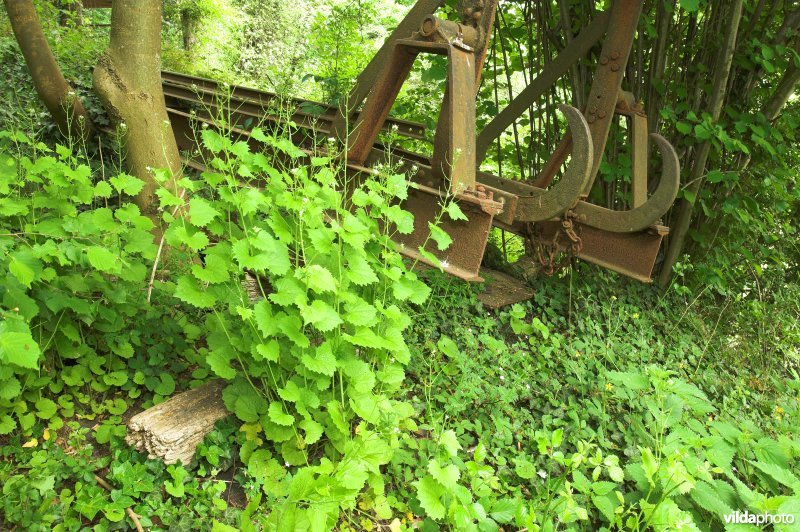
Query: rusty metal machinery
x,y
555,215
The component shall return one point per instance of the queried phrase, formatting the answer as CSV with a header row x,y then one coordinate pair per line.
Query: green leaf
x,y
278,416
607,504
321,315
442,239
277,252
504,510
201,213
409,288
188,291
220,363
45,408
455,212
320,280
269,351
323,361
215,271
166,385
102,190
19,349
127,184
449,441
359,271
690,5
630,380
7,424
360,313
446,476
429,493
313,431
778,473
102,259
249,407
524,468
649,463
25,267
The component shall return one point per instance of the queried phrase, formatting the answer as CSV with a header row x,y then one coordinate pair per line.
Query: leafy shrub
x,y
314,350
75,320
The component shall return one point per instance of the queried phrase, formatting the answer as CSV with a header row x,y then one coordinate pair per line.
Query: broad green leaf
x,y
269,351
359,272
220,363
201,213
102,259
7,424
320,280
313,431
429,493
278,415
276,251
45,408
524,468
449,442
323,361
127,184
215,271
442,239
454,211
446,476
359,312
19,349
321,315
188,291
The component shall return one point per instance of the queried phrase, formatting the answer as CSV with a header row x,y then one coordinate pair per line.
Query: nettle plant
x,y
75,256
305,295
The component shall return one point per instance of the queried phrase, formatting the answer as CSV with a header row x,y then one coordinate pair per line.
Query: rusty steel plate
x,y
502,289
631,254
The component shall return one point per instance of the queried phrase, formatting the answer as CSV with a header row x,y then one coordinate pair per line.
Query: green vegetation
x,y
367,394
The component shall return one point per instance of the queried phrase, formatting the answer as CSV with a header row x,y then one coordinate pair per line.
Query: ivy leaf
x,y
19,349
201,213
320,280
278,416
321,315
102,259
446,476
188,291
429,493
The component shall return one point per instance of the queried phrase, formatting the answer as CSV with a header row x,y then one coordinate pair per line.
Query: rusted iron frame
x,y
367,78
458,140
601,103
554,70
266,99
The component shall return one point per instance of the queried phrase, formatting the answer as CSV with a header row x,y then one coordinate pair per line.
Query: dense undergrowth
x,y
365,395
600,403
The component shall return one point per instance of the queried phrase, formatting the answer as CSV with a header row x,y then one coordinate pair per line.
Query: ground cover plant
x,y
366,393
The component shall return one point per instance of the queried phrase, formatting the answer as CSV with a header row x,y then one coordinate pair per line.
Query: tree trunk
x,y
128,81
783,91
188,24
721,73
54,91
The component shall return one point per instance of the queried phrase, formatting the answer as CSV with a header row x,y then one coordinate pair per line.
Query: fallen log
x,y
171,430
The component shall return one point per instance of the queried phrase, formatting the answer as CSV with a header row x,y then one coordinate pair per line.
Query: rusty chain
x,y
548,250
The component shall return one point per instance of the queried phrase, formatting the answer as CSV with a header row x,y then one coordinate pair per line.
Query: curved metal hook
x,y
546,204
651,211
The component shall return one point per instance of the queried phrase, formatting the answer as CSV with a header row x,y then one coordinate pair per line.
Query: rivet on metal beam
x,y
604,60
615,55
615,67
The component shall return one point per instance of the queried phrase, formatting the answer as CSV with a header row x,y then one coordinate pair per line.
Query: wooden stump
x,y
171,430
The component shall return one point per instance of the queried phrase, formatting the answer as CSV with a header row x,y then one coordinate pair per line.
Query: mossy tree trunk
x,y
54,91
128,81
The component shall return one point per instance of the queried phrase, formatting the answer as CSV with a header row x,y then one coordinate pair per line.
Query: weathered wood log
x,y
171,430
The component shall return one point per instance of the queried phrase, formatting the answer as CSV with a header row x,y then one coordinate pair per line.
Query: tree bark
x,y
128,81
783,91
53,90
721,73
